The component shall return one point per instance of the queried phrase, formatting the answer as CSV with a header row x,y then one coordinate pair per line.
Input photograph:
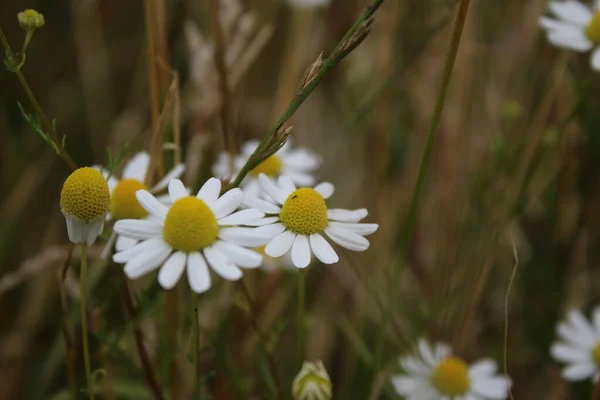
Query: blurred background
x,y
515,169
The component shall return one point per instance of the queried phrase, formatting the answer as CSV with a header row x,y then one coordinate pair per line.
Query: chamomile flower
x,y
576,27
298,164
579,347
438,375
123,203
84,201
312,382
195,231
298,218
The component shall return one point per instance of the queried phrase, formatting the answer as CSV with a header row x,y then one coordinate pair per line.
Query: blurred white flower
x,y
438,375
309,3
579,346
576,27
312,382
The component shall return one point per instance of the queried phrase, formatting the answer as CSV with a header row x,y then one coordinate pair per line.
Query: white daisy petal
x,y
227,203
262,221
241,217
347,239
171,271
405,385
138,229
322,249
579,372
491,388
262,205
242,256
146,245
426,352
124,243
222,265
572,335
175,173
280,244
302,159
271,189
570,354
249,147
137,167
177,190
482,368
596,315
300,179
572,41
301,252
286,185
341,215
359,229
325,189
150,204
442,351
595,59
147,261
552,24
271,230
582,325
209,192
414,366
247,237
571,11
197,273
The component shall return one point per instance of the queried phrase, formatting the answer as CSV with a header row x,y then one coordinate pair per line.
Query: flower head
x,y
312,382
30,19
298,164
195,231
84,201
298,218
576,27
436,374
579,346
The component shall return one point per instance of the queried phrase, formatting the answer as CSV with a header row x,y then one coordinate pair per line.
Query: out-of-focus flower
x,y
579,346
576,27
194,232
435,374
30,19
298,218
309,3
312,382
85,201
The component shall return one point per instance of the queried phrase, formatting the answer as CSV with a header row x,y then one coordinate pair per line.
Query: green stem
x,y
301,314
196,346
432,135
84,322
52,132
355,35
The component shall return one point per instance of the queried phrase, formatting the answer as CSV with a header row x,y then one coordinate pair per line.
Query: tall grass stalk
x,y
415,202
301,326
84,322
196,346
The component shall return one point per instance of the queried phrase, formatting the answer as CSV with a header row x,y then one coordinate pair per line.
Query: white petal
x,y
570,354
150,204
426,352
442,351
175,173
262,221
359,229
271,189
595,59
242,256
171,271
597,5
249,147
347,239
271,230
110,179
571,11
138,229
482,368
126,255
491,388
262,205
578,372
576,42
323,250
222,265
325,189
339,214
302,160
300,252
241,217
147,261
415,366
300,179
209,192
247,237
286,185
596,314
227,203
555,25
405,385
124,243
93,229
582,325
137,167
280,244
177,190
573,336
197,273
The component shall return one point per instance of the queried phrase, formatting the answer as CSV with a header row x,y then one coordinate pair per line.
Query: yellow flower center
x,y
451,377
123,203
85,195
593,29
304,212
270,167
596,354
190,225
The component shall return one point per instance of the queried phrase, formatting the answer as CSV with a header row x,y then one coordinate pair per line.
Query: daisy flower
x,y
576,27
123,203
312,382
195,231
298,164
85,201
579,346
298,218
438,375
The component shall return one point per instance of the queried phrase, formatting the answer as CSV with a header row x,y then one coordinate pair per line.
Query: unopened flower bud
x,y
312,382
30,19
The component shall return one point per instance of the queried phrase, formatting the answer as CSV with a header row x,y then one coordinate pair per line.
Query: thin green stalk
x,y
49,127
301,314
355,35
196,347
84,322
415,203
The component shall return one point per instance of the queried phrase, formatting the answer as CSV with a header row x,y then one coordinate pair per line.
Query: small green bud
x,y
30,19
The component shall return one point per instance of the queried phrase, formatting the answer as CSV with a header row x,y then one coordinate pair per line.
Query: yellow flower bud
x,y
30,19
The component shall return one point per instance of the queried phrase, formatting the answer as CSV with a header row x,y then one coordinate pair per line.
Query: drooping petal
x,y
322,249
347,239
124,243
301,252
171,271
137,167
150,204
197,273
146,245
242,256
147,261
222,265
280,244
